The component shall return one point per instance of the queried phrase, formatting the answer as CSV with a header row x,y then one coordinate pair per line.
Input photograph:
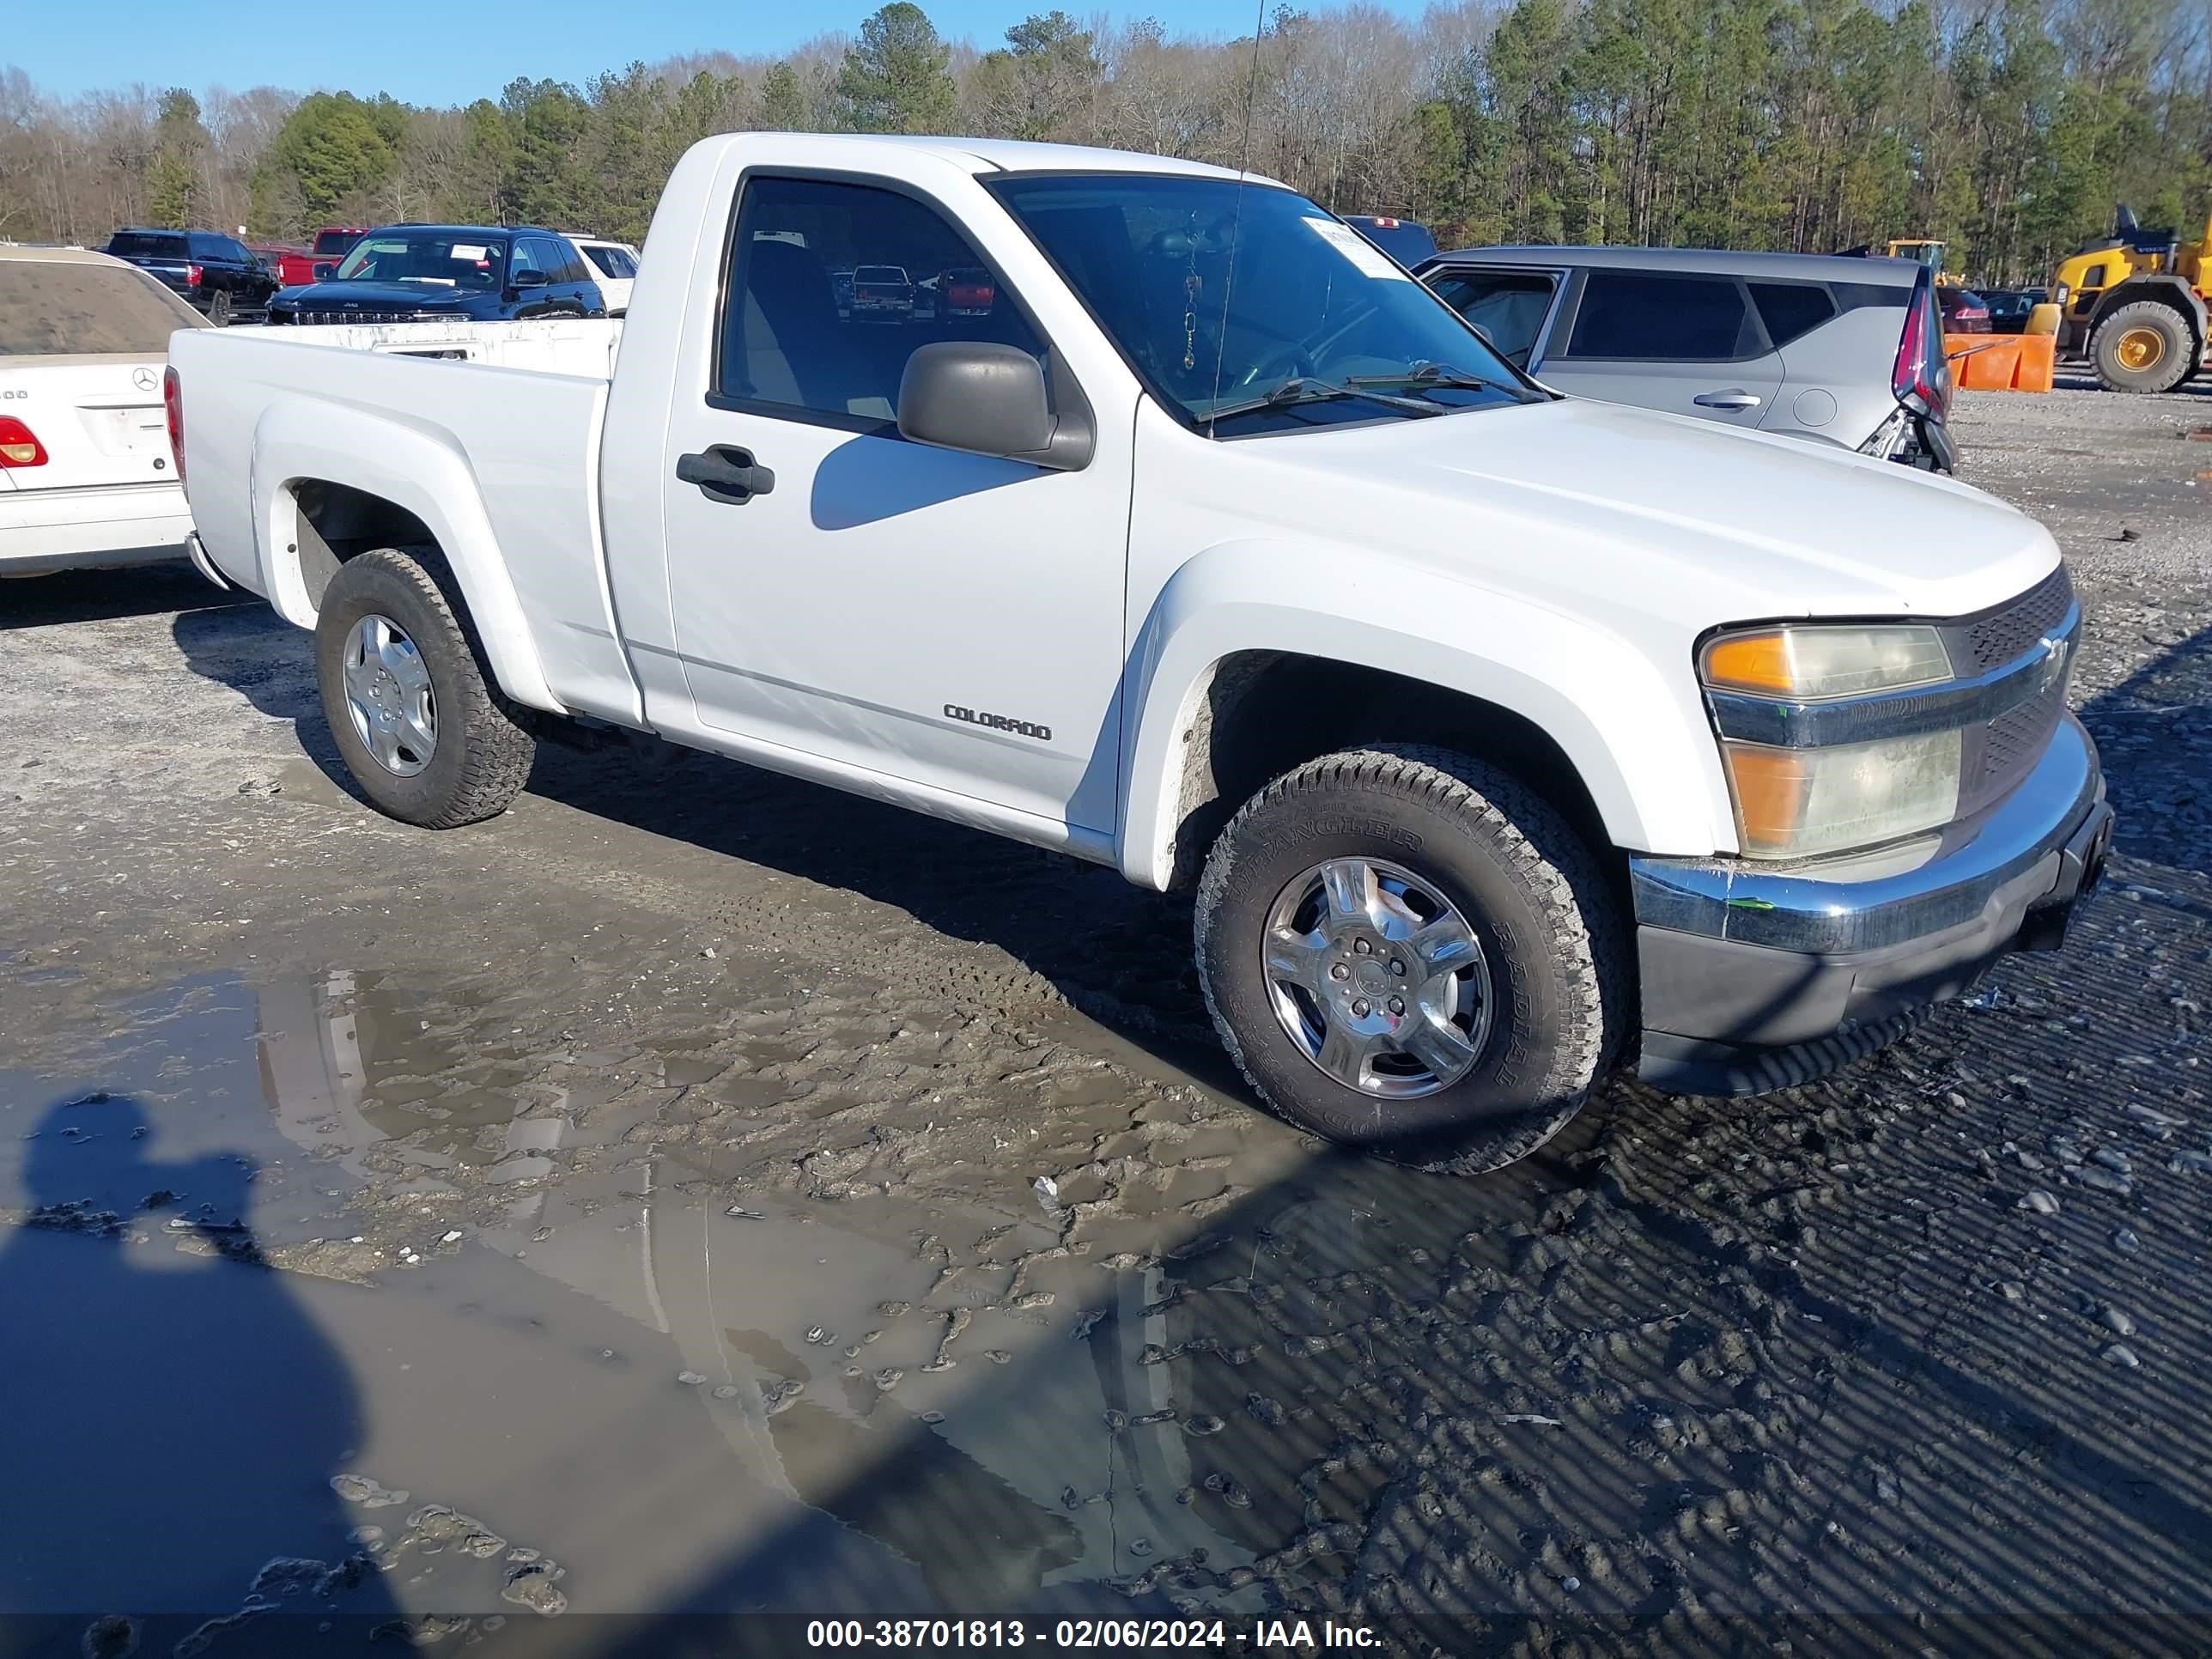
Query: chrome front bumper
x,y
1757,975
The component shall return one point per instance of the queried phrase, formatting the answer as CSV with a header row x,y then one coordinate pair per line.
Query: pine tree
x,y
897,76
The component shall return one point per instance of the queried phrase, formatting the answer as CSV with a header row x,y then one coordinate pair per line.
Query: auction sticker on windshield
x,y
1371,259
469,250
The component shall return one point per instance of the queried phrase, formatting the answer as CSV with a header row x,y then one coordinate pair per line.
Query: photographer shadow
x,y
170,1416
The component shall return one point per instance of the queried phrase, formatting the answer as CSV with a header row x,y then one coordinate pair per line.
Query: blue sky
x,y
454,53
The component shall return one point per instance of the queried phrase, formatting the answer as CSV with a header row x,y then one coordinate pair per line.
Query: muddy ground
x,y
549,1235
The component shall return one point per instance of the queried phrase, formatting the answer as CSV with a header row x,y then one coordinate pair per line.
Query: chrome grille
x,y
313,318
2016,739
2001,752
2014,628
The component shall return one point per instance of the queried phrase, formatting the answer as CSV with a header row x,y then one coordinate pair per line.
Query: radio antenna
x,y
1236,216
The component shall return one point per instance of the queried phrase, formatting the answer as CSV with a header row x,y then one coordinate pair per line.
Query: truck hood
x,y
1719,525
378,296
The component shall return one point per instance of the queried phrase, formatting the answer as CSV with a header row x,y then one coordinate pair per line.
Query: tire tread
x,y
497,747
1560,874
2144,311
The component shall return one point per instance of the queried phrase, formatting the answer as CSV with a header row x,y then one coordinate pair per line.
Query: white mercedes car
x,y
86,473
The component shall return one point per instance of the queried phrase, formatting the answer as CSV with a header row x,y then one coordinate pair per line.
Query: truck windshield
x,y
444,259
1249,309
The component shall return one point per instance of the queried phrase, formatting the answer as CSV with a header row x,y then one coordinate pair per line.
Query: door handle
x,y
726,473
1734,397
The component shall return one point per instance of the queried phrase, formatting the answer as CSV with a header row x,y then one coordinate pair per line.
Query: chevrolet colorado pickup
x,y
1503,738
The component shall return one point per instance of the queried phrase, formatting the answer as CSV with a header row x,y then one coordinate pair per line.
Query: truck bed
x,y
581,347
512,414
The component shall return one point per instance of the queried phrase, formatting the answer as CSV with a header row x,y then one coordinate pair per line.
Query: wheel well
x,y
336,521
1261,712
2168,291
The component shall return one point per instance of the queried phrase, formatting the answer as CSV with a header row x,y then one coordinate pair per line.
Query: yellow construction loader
x,y
1925,251
2134,305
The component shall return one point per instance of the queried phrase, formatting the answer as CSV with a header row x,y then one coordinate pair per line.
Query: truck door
x,y
1687,343
947,619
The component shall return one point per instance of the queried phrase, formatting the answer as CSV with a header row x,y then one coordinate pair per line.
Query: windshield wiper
x,y
1427,376
1299,389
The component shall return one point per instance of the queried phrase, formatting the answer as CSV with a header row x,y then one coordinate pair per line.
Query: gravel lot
x,y
629,1210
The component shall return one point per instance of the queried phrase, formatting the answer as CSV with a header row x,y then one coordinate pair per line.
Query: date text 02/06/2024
x,y
1261,1636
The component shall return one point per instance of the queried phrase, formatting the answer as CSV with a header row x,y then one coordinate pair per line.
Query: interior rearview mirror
x,y
992,400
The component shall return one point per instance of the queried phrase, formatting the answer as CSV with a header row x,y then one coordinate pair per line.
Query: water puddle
x,y
816,1261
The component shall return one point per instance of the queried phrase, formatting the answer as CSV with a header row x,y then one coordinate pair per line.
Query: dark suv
x,y
447,273
217,275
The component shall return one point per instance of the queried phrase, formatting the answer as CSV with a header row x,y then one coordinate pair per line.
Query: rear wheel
x,y
1408,950
426,736
219,308
2146,346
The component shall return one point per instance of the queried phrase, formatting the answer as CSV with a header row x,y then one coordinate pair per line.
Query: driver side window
x,y
832,286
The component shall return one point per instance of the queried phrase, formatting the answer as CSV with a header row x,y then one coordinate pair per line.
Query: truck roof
x,y
464,230
1824,267
1017,156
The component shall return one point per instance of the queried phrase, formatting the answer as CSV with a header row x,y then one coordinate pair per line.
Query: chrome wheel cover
x,y
388,693
1377,978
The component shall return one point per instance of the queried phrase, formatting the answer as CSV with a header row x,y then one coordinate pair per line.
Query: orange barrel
x,y
1982,362
2038,362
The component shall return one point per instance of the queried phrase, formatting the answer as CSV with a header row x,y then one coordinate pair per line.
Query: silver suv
x,y
1838,349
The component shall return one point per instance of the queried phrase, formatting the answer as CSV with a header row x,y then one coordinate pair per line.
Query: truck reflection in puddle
x,y
904,1366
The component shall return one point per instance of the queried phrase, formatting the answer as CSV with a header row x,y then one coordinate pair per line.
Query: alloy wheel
x,y
1378,978
388,693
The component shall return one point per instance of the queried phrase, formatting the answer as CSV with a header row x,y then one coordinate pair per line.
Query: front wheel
x,y
2146,346
1409,950
428,739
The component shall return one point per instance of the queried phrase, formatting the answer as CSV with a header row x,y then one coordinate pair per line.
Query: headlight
x,y
1799,802
1811,665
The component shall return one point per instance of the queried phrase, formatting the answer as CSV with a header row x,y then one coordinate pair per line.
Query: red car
x,y
295,266
275,255
968,292
1965,311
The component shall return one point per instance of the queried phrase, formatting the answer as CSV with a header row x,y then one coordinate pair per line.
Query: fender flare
x,y
2171,290
1639,744
418,467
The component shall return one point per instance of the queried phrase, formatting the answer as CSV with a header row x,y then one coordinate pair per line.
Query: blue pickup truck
x,y
447,273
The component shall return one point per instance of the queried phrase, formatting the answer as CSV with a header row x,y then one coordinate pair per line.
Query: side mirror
x,y
322,271
529,279
992,400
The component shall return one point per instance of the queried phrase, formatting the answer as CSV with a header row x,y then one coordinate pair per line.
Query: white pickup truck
x,y
1503,737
